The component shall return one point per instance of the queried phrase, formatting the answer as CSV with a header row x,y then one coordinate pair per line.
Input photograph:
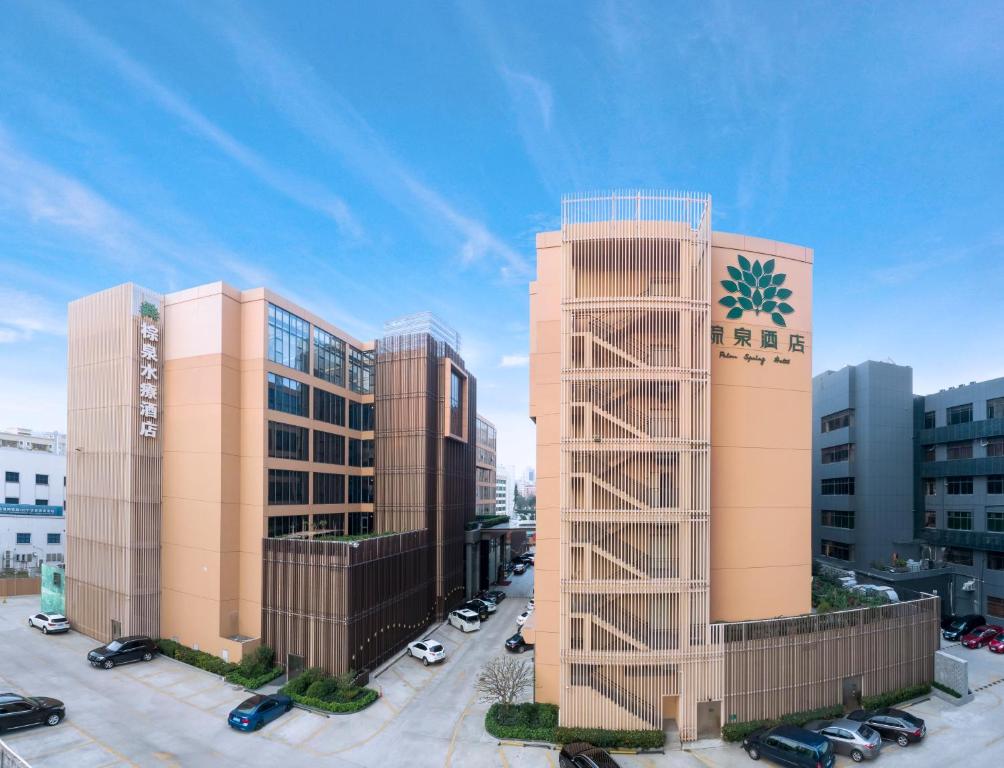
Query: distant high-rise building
x,y
486,486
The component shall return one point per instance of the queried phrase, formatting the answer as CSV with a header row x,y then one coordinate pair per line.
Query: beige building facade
x,y
670,383
486,463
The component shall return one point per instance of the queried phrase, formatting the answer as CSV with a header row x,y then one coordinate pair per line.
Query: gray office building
x,y
959,490
862,465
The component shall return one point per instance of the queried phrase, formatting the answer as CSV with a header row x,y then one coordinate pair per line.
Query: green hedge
x,y
600,737
539,722
338,693
256,668
525,722
739,731
946,689
252,683
199,659
895,697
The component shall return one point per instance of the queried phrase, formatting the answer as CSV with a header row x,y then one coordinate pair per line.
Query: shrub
x,y
946,689
739,731
252,683
299,685
895,697
366,697
526,722
315,688
199,659
325,689
601,737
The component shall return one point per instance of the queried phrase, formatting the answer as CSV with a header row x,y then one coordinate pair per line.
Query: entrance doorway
x,y
294,665
851,693
116,629
709,720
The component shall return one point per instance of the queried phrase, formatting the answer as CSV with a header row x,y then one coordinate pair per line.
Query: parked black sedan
x,y
23,711
493,594
892,724
516,644
123,650
960,626
478,607
582,755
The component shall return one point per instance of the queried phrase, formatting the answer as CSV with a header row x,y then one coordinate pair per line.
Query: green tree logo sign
x,y
148,309
756,288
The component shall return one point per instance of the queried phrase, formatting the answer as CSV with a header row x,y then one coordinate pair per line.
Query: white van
x,y
465,620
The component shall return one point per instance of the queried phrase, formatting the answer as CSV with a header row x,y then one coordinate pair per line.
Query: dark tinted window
x,y
329,488
287,395
286,441
329,407
286,486
361,416
360,453
288,339
329,448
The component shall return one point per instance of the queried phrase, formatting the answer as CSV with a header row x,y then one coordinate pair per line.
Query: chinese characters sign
x,y
766,346
149,367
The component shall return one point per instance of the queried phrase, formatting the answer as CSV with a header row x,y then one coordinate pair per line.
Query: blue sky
x,y
369,160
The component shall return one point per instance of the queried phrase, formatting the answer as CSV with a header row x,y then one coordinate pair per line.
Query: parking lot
x,y
165,713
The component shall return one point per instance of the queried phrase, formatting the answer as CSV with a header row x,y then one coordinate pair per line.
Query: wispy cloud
x,y
305,192
22,315
539,90
514,361
321,113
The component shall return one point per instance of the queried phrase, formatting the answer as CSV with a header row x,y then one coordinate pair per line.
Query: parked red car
x,y
997,644
981,636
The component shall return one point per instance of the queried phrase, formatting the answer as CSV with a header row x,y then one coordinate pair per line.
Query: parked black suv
x,y
582,755
892,724
789,745
478,607
492,594
961,626
22,711
123,650
516,644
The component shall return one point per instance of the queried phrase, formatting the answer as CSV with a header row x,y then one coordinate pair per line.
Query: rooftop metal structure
x,y
423,322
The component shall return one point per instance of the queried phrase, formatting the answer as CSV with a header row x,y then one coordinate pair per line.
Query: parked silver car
x,y
858,740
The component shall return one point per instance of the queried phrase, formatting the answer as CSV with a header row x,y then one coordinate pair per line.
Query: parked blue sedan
x,y
252,714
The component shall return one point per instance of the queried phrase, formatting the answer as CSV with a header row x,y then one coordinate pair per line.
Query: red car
x,y
981,636
997,644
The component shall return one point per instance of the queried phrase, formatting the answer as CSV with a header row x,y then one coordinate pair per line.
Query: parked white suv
x,y
49,622
430,651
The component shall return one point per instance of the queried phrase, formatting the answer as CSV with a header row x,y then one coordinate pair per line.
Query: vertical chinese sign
x,y
149,369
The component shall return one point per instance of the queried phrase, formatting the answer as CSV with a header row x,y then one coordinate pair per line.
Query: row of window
x,y
837,420
963,486
962,519
50,538
289,342
331,524
15,477
834,518
836,549
963,414
287,441
838,486
17,500
287,486
835,453
291,396
963,449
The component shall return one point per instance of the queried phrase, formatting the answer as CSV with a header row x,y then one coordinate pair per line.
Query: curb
x,y
549,745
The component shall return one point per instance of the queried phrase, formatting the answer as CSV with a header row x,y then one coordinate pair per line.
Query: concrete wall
x,y
951,671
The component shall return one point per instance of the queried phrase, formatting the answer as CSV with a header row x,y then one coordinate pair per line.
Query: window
x,y
360,490
962,449
11,500
360,453
929,420
329,448
995,408
24,538
329,408
928,453
995,484
288,339
286,441
286,524
41,479
57,579
960,520
930,519
837,550
41,502
52,538
456,403
959,486
958,556
287,395
286,486
930,486
837,453
361,416
995,605
959,414
834,518
837,420
995,445
838,486
13,477
331,524
360,523
329,488
329,357
995,520
360,371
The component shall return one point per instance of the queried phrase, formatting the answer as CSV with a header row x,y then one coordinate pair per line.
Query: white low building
x,y
32,515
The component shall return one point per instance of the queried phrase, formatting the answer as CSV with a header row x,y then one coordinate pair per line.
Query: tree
x,y
503,680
